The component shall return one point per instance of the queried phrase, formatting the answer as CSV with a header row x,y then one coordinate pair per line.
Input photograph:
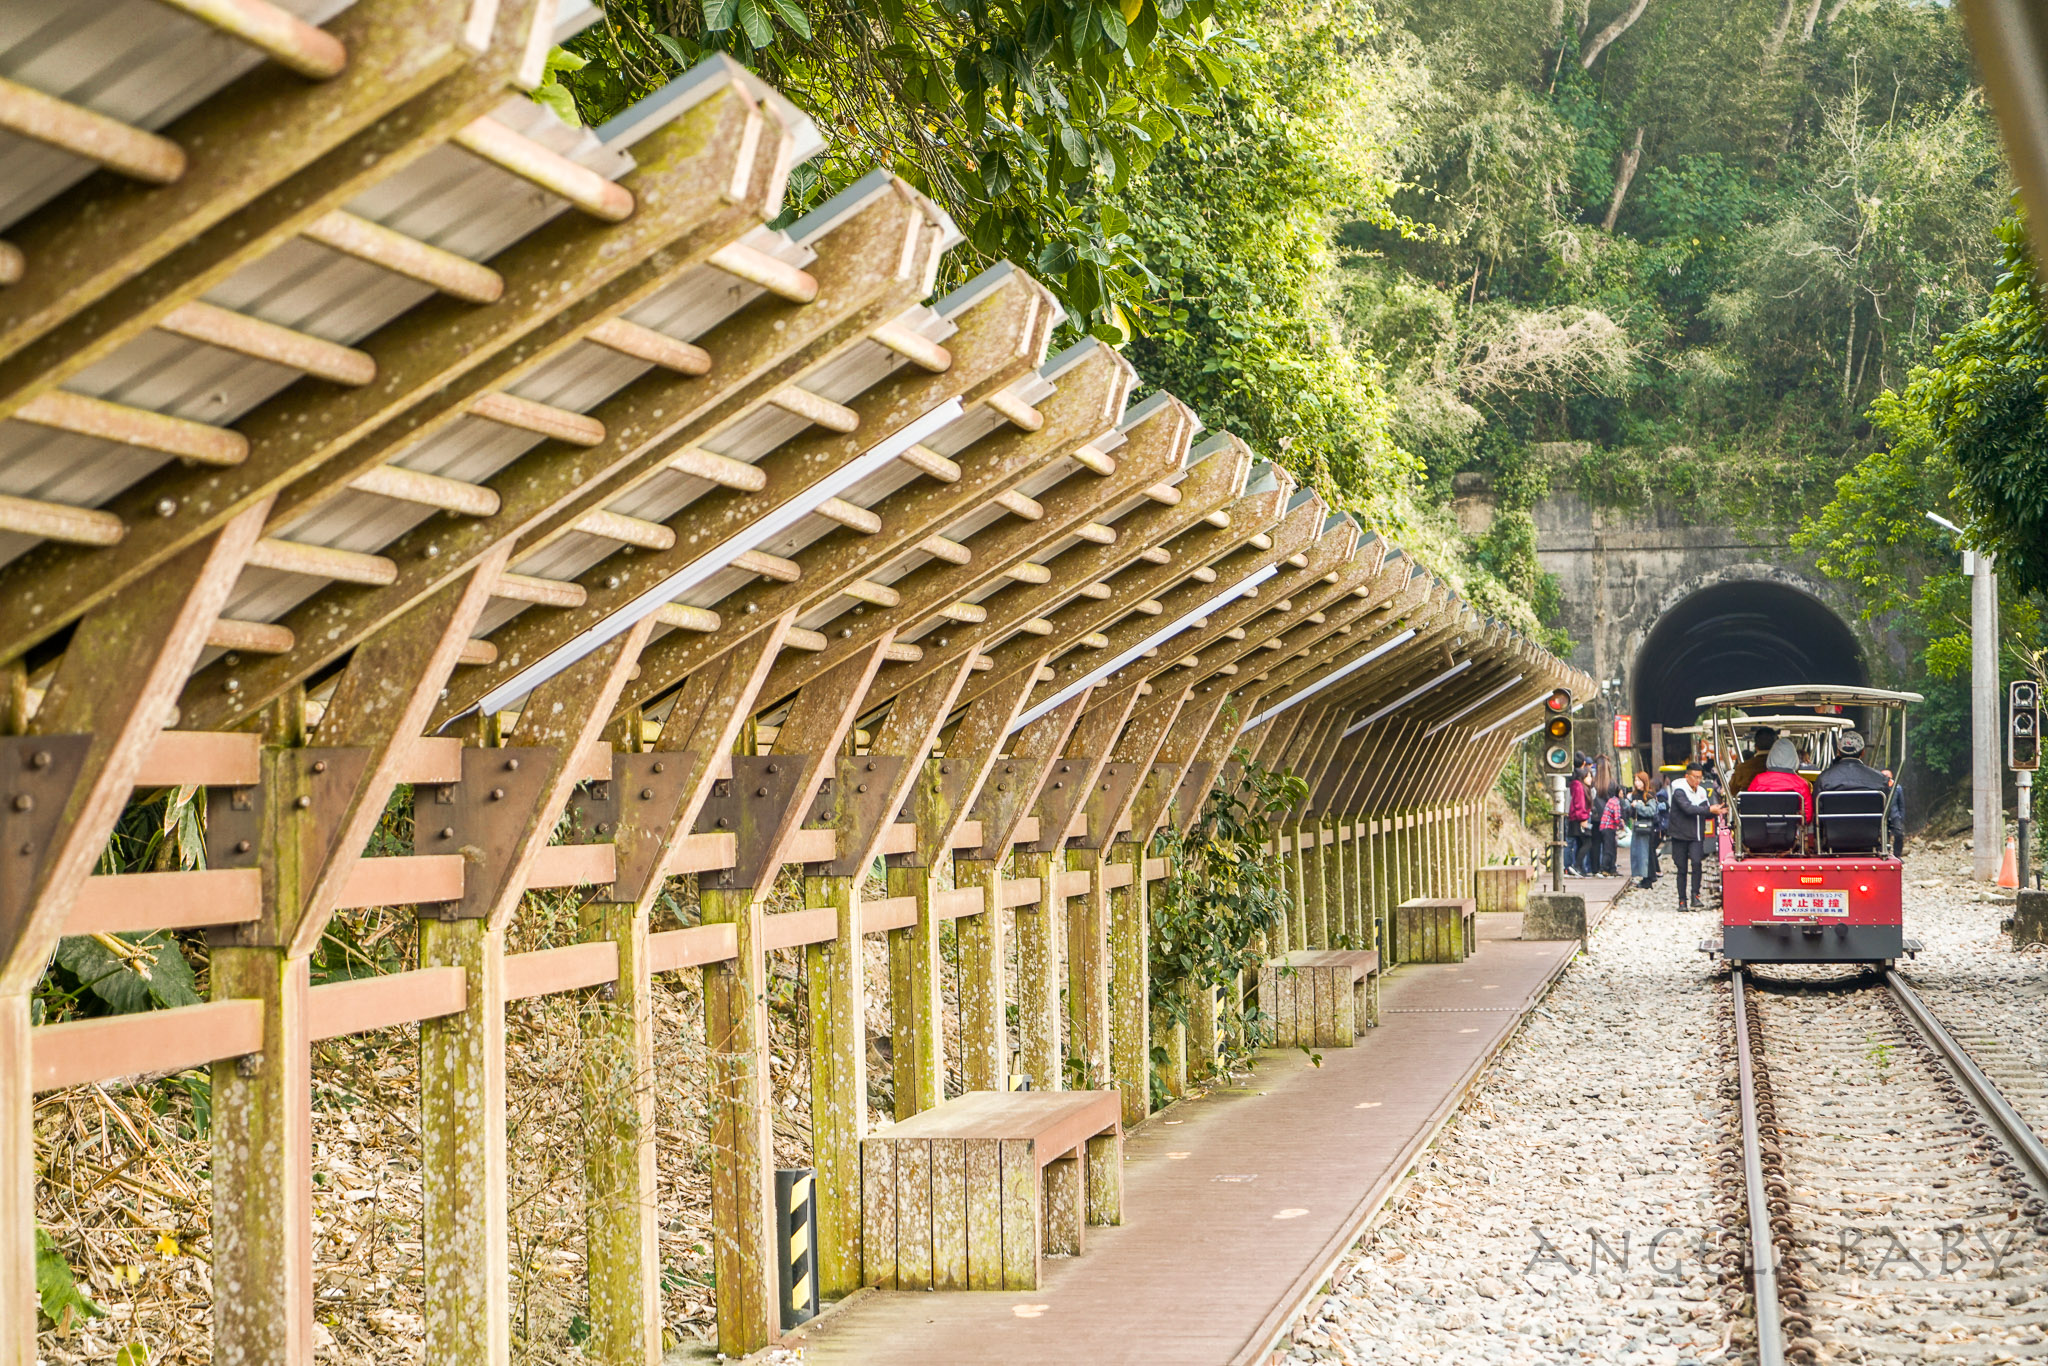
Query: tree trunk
x,y
1613,31
1812,16
1778,33
1621,182
1836,9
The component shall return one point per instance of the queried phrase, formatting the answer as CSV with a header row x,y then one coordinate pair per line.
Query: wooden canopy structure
x,y
363,426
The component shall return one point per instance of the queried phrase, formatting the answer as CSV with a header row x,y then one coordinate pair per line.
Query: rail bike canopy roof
x,y
1810,695
1794,722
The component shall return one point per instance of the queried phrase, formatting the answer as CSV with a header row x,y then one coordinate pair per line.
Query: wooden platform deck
x,y
1236,1204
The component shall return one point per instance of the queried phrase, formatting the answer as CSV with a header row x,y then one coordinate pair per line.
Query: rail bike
x,y
1808,868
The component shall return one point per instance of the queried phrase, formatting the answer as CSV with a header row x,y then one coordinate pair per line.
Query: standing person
x,y
1895,813
1610,832
1692,809
1578,811
1640,809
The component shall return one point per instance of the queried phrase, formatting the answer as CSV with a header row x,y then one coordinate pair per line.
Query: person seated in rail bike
x,y
1760,741
1781,774
1848,773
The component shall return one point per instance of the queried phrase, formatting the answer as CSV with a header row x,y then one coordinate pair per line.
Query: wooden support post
x,y
465,1229
837,979
744,1249
1335,910
984,975
620,1200
621,1203
1038,969
1171,1038
467,1295
915,1010
1315,901
1130,994
1088,976
17,1185
742,1140
1202,1036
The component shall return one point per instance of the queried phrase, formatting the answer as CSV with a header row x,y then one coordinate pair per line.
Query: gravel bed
x,y
1600,1119
1596,1121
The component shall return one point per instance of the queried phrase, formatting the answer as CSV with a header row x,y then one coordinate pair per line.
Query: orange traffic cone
x,y
2009,871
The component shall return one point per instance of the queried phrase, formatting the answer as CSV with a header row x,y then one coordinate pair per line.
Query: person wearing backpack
x,y
1578,846
1640,810
1610,832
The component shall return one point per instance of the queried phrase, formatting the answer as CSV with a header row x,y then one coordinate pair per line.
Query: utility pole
x,y
1987,785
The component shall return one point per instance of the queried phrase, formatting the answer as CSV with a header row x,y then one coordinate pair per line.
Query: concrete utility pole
x,y
1987,739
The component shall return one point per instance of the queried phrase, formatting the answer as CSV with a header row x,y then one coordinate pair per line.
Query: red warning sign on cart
x,y
1810,901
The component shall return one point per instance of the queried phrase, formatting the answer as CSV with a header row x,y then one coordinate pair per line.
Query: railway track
x,y
1884,1201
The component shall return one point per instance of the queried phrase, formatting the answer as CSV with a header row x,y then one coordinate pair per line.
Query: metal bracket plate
x,y
750,806
1061,796
634,809
38,774
856,802
1193,793
1000,807
481,818
1160,787
1110,795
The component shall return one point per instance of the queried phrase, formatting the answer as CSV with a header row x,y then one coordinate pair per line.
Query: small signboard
x,y
1810,901
1624,730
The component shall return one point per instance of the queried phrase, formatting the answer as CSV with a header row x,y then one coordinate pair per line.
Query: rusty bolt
x,y
611,581
846,633
751,608
24,802
319,765
40,759
232,685
511,765
447,832
166,507
774,768
1057,786
303,802
760,792
871,765
660,767
722,823
861,787
242,846
646,794
497,794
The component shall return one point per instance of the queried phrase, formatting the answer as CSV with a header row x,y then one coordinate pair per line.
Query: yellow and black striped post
x,y
796,1219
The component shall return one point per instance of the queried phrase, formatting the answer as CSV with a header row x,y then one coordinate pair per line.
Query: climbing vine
x,y
1223,893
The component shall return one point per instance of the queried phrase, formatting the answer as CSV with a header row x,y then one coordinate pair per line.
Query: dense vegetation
x,y
1679,250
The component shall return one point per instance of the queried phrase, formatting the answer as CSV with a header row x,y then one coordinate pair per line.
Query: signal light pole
x,y
2023,756
1557,762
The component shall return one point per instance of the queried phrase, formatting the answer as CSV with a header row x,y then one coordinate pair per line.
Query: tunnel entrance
x,y
1751,633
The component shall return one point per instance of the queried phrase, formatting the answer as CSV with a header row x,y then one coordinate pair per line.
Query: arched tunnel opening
x,y
1745,634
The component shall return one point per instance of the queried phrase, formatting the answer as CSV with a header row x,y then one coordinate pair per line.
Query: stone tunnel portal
x,y
1744,634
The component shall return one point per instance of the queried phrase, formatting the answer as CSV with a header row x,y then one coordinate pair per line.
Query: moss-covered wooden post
x,y
742,1140
1130,988
1315,904
1088,974
916,1035
1038,963
836,973
984,979
1202,1037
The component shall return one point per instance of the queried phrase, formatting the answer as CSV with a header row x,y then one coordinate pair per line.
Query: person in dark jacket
x,y
1691,811
1895,814
1848,773
1578,846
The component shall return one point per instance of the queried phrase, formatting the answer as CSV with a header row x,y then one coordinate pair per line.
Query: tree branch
x,y
1627,174
1611,32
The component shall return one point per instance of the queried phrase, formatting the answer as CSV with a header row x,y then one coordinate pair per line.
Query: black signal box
x,y
2023,724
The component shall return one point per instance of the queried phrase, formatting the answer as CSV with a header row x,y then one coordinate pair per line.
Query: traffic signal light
x,y
1557,731
2023,724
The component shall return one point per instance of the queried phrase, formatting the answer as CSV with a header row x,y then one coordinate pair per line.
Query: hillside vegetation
x,y
1646,249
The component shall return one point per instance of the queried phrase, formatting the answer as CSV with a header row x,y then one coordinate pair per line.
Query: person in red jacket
x,y
1578,849
1781,774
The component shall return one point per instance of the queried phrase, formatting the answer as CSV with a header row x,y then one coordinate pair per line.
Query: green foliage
x,y
1024,119
58,1297
1222,894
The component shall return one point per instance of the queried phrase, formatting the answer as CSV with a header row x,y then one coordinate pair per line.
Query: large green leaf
x,y
160,979
57,1292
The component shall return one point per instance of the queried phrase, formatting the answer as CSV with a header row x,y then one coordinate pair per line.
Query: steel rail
x,y
1763,1257
2017,1134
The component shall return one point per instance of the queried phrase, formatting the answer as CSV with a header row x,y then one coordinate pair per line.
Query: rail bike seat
x,y
1769,821
1851,820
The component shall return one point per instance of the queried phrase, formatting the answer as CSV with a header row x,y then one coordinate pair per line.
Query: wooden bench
x,y
1431,930
972,1194
1318,998
1502,887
